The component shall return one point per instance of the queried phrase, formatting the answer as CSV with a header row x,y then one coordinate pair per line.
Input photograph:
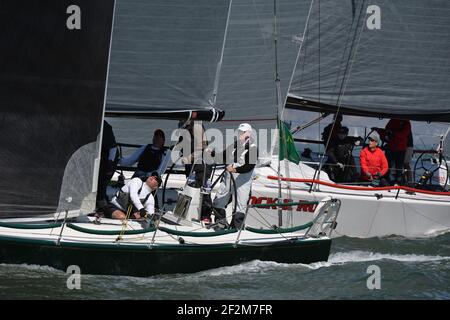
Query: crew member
x,y
374,164
241,158
396,134
108,163
148,157
135,197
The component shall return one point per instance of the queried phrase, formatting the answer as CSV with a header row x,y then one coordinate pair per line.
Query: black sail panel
x,y
53,74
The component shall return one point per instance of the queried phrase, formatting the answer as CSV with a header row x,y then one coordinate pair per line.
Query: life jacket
x,y
150,159
124,200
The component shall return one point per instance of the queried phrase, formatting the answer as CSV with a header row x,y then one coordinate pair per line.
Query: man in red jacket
x,y
396,135
373,162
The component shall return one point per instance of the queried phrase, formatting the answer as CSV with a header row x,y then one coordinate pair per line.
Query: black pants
x,y
202,174
396,159
106,172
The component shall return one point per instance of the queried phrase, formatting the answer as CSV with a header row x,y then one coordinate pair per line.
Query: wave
x,y
261,267
341,258
335,259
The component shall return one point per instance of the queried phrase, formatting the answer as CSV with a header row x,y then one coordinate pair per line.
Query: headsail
x,y
53,78
378,58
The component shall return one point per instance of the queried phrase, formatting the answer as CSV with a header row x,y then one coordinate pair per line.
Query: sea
x,y
377,268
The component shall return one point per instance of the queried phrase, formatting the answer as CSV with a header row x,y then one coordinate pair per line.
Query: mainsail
x,y
164,57
54,57
169,57
382,58
247,88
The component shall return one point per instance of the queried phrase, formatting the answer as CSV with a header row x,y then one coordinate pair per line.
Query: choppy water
x,y
410,269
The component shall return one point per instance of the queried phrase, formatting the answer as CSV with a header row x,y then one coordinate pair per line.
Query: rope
x,y
339,186
125,223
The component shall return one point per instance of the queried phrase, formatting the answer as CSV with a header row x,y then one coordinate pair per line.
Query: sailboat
x,y
65,66
381,59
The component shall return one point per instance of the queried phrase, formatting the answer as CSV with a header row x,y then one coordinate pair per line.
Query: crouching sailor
x,y
241,158
135,198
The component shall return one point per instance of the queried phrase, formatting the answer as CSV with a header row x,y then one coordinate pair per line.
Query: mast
x,y
278,107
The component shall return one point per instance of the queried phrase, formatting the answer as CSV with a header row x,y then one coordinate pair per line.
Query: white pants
x,y
243,187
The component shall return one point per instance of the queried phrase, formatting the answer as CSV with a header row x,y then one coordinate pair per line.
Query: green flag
x,y
287,146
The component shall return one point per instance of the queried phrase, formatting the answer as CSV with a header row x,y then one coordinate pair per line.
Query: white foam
x,y
31,267
255,266
340,258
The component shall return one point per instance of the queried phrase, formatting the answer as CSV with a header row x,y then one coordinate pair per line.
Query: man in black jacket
x,y
241,158
108,164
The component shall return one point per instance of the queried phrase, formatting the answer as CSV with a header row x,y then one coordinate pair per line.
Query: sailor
x,y
329,133
148,157
340,162
135,198
396,134
197,170
241,158
108,164
408,159
374,164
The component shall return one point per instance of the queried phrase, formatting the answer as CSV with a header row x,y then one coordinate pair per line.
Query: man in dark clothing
x,y
329,134
396,134
148,157
108,164
198,168
241,158
340,163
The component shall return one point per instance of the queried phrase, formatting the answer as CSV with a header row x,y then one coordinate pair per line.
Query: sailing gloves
x,y
143,213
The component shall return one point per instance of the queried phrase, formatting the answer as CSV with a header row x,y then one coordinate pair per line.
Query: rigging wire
x,y
349,65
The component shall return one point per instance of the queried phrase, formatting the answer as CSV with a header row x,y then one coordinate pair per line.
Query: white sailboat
x,y
58,91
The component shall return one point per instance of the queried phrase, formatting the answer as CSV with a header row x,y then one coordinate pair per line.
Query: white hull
x,y
363,214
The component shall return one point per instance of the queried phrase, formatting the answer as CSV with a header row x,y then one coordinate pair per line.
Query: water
x,y
410,269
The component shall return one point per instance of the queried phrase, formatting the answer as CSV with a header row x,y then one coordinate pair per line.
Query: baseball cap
x,y
156,175
244,127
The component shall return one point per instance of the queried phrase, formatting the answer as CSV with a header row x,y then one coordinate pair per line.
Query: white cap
x,y
244,127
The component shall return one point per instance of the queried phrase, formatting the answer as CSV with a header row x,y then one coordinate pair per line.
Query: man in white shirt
x,y
136,195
